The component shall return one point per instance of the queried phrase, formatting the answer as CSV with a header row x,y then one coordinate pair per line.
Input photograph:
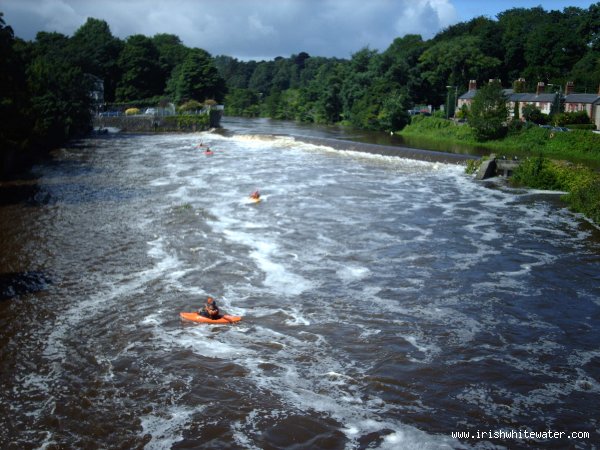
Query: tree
x,y
393,114
488,112
455,62
399,66
95,50
60,98
241,102
171,53
532,113
141,77
196,78
14,101
516,24
260,80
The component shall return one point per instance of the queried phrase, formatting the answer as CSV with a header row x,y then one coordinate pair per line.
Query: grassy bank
x,y
564,161
578,146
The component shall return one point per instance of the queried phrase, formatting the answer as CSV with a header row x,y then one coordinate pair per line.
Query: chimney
x,y
540,88
472,85
569,88
519,85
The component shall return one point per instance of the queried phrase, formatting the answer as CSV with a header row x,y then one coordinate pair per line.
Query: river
x,y
387,302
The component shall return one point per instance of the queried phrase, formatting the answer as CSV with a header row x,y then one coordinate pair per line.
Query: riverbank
x,y
562,161
577,146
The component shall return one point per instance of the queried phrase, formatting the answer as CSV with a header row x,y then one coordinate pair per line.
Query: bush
x,y
473,166
582,126
191,105
571,118
186,122
537,173
585,198
489,113
132,111
532,113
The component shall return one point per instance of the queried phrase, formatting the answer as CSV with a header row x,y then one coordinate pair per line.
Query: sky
x,y
264,29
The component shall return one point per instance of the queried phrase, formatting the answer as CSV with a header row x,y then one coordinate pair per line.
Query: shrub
x,y
191,105
582,126
186,122
532,113
473,166
132,111
489,113
536,173
585,198
572,118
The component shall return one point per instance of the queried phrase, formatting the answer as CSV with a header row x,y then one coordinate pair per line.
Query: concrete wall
x,y
149,123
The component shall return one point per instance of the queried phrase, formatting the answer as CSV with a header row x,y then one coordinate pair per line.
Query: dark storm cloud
x,y
246,29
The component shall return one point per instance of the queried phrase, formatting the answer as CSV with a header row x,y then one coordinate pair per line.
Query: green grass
x,y
578,146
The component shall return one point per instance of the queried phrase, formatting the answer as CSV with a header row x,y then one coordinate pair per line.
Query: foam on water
x,y
166,429
436,259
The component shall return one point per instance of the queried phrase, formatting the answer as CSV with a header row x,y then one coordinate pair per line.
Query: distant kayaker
x,y
210,309
255,195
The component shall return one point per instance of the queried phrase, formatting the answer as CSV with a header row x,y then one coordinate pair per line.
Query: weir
x,y
494,166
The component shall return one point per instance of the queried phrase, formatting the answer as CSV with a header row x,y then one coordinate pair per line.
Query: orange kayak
x,y
195,317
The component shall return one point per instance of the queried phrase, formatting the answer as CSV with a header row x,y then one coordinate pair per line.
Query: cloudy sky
x,y
263,29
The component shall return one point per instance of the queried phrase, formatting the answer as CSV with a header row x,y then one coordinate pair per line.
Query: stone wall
x,y
150,124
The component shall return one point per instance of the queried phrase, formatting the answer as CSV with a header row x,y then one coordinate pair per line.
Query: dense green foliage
x,y
46,83
370,89
522,140
581,183
488,113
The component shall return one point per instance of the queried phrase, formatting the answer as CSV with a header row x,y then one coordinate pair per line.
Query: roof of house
x,y
518,97
582,98
530,97
542,98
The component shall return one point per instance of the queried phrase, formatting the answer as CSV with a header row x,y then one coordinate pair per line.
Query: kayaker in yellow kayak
x,y
255,195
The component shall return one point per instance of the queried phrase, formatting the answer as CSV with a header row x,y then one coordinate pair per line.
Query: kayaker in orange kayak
x,y
210,309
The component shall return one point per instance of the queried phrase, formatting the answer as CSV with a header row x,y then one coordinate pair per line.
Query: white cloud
x,y
246,29
255,25
426,18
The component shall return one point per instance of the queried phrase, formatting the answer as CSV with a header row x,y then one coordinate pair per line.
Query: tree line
x,y
46,82
374,89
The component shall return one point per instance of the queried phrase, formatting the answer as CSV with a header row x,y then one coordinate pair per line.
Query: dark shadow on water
x,y
15,284
22,193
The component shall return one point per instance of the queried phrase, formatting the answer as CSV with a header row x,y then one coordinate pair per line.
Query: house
x,y
545,102
590,103
467,98
541,100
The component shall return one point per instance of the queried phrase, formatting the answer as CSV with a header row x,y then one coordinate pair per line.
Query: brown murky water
x,y
387,302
